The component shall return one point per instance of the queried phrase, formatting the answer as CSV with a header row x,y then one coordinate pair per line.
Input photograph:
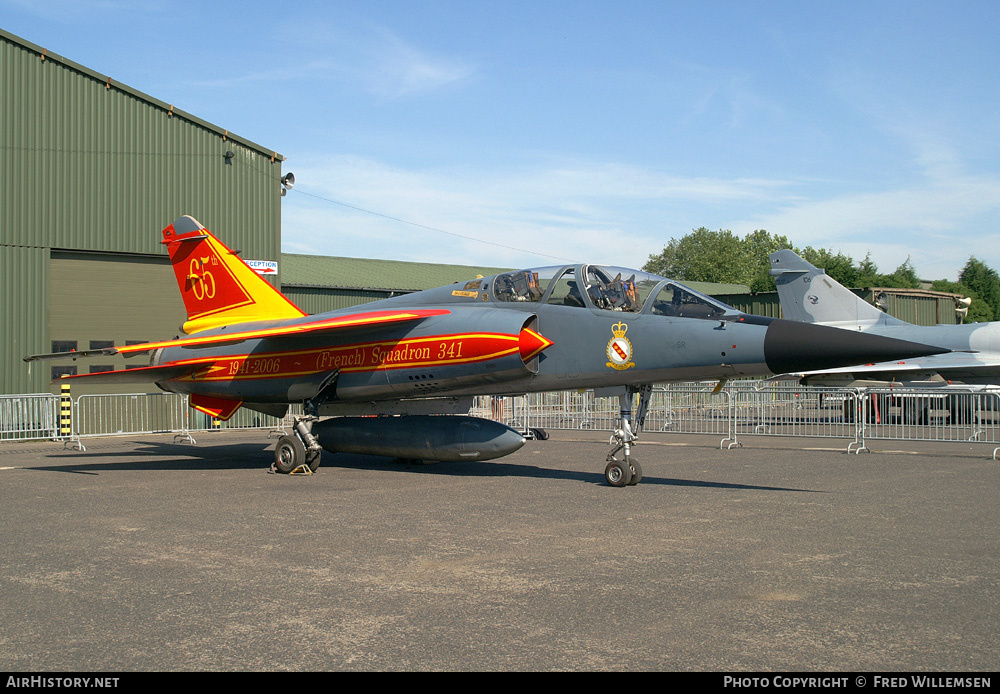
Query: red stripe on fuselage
x,y
420,352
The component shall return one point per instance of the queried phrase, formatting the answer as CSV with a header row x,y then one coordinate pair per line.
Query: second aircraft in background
x,y
809,295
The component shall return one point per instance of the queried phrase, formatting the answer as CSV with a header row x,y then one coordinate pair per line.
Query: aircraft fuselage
x,y
478,343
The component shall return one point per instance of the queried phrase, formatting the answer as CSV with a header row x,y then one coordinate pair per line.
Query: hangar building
x,y
93,170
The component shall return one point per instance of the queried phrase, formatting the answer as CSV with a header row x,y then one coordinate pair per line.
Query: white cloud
x,y
395,69
618,214
375,59
605,213
938,225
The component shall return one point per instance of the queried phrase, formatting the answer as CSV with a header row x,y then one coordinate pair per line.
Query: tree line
x,y
723,257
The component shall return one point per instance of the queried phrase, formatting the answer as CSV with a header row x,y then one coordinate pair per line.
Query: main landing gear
x,y
627,472
298,451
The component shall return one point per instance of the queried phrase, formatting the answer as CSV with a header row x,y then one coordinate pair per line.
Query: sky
x,y
513,134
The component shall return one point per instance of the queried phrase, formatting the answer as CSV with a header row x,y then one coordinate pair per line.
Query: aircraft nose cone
x,y
792,347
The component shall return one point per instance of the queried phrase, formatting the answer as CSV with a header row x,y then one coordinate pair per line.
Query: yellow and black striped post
x,y
65,412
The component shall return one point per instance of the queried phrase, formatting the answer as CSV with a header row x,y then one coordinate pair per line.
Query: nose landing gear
x,y
627,472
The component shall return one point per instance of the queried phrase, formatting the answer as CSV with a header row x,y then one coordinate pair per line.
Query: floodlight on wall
x,y
229,156
287,183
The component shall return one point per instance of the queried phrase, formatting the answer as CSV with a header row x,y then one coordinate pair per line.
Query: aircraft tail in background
x,y
808,295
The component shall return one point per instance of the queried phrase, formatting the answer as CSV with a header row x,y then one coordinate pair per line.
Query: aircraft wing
x,y
142,374
967,367
347,322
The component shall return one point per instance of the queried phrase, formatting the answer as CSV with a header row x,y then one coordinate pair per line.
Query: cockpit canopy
x,y
608,289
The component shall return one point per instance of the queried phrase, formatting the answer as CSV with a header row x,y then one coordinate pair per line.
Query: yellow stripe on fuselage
x,y
422,352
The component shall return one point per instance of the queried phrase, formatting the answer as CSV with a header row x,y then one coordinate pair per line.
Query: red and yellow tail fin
x,y
218,288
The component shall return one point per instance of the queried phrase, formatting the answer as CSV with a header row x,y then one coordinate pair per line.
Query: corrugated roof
x,y
715,289
904,291
369,273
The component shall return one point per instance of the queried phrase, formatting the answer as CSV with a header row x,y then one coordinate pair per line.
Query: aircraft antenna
x,y
430,228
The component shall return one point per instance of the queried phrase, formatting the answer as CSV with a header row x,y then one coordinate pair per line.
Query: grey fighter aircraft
x,y
380,371
807,294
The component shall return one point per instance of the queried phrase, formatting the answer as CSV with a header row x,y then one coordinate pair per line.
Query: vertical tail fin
x,y
808,295
218,288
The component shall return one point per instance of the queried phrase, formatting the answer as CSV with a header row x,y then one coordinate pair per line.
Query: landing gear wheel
x,y
289,454
618,474
636,472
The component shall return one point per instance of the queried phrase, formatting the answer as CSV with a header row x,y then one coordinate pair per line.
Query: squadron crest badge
x,y
619,348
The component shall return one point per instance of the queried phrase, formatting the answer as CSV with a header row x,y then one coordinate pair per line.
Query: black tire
x,y
289,454
617,474
636,472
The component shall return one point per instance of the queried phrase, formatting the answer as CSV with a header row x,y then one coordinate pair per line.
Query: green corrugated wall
x,y
24,286
765,304
314,300
91,164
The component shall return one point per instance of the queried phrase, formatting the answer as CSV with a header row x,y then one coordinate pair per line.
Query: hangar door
x,y
102,299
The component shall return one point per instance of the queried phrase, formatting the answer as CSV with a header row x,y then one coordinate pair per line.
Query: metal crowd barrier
x,y
243,419
153,413
785,409
692,408
951,414
25,417
130,413
762,408
741,409
689,409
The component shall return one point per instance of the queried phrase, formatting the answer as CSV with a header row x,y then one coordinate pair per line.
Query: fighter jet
x,y
807,294
372,378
